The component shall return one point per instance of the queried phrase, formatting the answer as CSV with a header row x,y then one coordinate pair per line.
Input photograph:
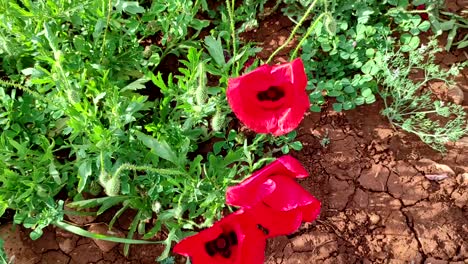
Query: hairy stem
x,y
298,25
309,31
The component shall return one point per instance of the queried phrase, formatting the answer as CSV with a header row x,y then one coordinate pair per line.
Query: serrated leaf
x,y
135,85
84,171
158,147
50,36
215,49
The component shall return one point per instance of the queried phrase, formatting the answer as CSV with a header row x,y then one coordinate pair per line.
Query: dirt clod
x,y
103,229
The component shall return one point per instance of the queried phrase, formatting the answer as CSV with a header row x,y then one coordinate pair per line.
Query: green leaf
x,y
447,25
349,89
296,145
337,107
50,36
409,42
424,26
370,68
84,171
131,7
315,108
160,148
451,37
370,53
81,232
330,24
199,24
90,203
53,172
215,49
462,44
135,85
3,207
366,92
36,233
348,105
217,147
359,100
370,99
99,28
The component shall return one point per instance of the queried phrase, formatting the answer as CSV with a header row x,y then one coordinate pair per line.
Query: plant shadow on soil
x,y
378,206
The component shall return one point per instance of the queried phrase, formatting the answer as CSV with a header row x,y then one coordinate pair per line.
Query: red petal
x,y
298,100
275,223
293,72
279,117
288,195
242,97
250,247
255,188
311,211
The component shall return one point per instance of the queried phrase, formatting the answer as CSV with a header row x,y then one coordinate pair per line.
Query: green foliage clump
x,y
413,109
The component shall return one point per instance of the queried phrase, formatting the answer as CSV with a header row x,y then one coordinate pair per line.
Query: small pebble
x,y
374,218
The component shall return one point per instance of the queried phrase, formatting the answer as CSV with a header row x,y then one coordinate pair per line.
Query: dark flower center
x,y
222,245
273,94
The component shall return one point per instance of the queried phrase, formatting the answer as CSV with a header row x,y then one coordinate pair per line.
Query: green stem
x,y
127,166
82,232
298,25
109,12
309,31
230,8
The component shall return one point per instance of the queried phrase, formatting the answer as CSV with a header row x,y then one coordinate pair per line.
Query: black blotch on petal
x,y
226,253
210,248
233,238
221,243
273,94
263,229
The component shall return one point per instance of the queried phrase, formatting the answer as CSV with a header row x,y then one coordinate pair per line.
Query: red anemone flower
x,y
277,202
270,99
235,239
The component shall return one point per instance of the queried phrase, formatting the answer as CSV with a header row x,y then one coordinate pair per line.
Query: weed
x,y
409,107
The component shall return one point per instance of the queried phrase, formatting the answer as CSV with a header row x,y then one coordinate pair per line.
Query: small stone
x,y
455,94
374,218
462,142
67,244
103,229
435,261
431,167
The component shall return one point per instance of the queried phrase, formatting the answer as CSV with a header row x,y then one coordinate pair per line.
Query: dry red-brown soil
x,y
386,196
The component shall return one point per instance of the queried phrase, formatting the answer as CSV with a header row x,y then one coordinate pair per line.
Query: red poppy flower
x,y
277,202
424,16
235,239
270,99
